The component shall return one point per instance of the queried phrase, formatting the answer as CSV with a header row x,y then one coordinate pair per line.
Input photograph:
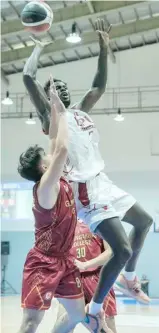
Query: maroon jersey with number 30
x,y
86,245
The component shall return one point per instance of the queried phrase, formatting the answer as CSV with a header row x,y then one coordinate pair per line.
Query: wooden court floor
x,y
132,318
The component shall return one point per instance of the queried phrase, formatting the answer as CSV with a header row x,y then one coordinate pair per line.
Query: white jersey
x,y
84,159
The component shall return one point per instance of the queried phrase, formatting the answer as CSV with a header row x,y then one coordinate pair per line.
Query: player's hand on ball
x,y
102,32
39,43
55,101
82,266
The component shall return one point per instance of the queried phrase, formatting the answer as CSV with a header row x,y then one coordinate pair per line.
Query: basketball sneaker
x,y
97,323
131,288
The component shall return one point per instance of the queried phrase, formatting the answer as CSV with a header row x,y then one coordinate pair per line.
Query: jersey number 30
x,y
81,252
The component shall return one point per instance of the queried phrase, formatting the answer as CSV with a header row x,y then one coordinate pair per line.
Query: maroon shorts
x,y
45,277
90,281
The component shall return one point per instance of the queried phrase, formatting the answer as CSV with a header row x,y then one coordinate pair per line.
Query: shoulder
x,y
47,197
82,227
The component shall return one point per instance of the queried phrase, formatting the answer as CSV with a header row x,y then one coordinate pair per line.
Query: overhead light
x,y
119,116
7,100
30,120
74,36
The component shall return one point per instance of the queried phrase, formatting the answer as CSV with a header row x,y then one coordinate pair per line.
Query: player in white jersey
x,y
84,139
99,202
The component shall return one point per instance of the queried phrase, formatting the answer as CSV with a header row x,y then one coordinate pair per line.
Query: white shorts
x,y
99,199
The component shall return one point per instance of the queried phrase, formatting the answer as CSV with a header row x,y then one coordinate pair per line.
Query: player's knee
x,y
124,254
77,318
29,325
144,224
148,222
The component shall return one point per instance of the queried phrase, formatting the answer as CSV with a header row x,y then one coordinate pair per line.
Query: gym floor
x,y
132,317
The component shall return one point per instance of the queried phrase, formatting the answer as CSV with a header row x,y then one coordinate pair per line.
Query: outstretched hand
x,y
104,41
55,101
102,31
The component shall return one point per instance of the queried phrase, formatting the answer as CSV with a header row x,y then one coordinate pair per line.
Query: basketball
x,y
37,17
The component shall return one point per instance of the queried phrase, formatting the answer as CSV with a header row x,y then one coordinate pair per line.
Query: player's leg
x,y
31,299
31,320
111,324
70,313
41,276
110,309
112,231
103,219
90,282
70,294
141,222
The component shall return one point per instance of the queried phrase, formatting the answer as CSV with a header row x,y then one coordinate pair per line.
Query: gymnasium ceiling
x,y
135,23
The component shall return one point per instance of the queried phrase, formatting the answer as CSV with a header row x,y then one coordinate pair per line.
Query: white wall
x,y
136,67
125,146
143,185
4,87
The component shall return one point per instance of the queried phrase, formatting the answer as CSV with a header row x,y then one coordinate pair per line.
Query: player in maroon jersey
x,y
49,269
91,253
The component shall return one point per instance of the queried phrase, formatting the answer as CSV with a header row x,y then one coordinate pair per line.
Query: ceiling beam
x,y
90,6
69,13
87,39
14,8
4,78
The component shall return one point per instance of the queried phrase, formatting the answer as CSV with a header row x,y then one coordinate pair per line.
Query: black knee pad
x,y
146,224
149,221
123,254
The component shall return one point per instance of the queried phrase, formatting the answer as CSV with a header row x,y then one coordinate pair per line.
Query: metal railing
x,y
130,100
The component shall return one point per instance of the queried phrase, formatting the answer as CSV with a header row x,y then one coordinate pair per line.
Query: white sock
x,y
130,276
94,308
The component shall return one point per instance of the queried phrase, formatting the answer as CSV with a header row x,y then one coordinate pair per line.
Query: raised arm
x,y
49,184
100,79
35,90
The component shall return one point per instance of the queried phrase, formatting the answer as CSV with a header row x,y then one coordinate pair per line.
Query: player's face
x,y
45,161
63,92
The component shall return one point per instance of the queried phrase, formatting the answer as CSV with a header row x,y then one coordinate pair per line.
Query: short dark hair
x,y
29,162
47,85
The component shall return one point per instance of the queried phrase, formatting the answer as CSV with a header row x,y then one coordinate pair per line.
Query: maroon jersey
x,y
86,246
55,227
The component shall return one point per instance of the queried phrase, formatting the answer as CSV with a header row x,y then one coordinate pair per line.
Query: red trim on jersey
x,y
83,194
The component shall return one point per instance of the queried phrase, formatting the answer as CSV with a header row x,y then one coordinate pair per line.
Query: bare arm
x,y
103,258
49,185
55,118
100,79
35,90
